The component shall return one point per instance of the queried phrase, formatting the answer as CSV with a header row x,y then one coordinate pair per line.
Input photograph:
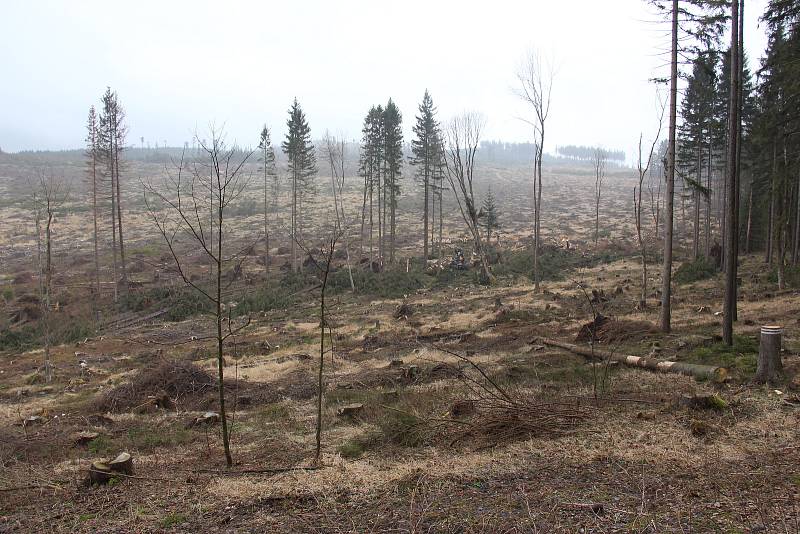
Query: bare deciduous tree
x,y
535,89
599,160
176,210
49,194
463,137
335,150
643,167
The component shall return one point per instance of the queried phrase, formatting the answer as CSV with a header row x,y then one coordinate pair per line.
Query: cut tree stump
x,y
123,463
703,372
84,437
208,418
102,471
770,367
351,410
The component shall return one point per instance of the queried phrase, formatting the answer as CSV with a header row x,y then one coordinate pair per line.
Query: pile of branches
x,y
497,416
499,420
175,378
604,329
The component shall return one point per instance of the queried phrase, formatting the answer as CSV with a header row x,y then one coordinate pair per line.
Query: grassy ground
x,y
405,463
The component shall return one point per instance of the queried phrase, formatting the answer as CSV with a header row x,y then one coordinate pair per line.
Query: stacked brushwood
x,y
501,420
497,416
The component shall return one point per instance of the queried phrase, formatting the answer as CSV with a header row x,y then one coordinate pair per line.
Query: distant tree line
x,y
588,153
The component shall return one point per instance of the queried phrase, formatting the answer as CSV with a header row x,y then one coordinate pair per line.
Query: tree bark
x,y
665,318
731,234
703,372
770,366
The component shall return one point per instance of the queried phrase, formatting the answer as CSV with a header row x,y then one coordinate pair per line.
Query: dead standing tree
x,y
49,195
270,172
643,167
599,160
463,137
536,84
335,150
92,156
176,210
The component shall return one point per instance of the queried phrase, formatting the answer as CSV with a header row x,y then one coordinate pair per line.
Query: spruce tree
x,y
270,173
302,168
93,176
369,169
490,215
424,149
392,166
111,135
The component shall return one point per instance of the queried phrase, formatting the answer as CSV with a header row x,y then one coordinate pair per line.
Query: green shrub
x,y
741,358
352,448
20,338
693,271
391,283
101,445
791,274
172,520
181,302
264,299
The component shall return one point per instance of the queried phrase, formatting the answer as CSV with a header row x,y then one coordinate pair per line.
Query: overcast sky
x,y
179,65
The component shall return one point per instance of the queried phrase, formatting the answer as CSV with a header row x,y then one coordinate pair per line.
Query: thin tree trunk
x,y
729,303
425,186
266,223
220,338
113,223
737,191
119,221
294,222
96,233
363,219
666,273
749,220
48,281
708,203
441,219
392,220
796,245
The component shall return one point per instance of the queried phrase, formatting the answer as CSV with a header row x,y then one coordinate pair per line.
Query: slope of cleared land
x,y
467,422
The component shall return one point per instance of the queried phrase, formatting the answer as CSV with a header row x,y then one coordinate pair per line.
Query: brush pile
x,y
498,421
173,378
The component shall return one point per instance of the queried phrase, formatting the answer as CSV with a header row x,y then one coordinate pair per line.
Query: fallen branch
x,y
705,372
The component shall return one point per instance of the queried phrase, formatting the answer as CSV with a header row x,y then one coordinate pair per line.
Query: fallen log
x,y
703,372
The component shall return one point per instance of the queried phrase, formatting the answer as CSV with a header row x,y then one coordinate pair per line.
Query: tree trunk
x,y
708,203
770,367
426,187
737,191
666,273
124,273
363,221
441,219
220,340
392,220
113,224
748,236
96,298
48,281
796,246
770,219
294,222
731,233
266,223
703,372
